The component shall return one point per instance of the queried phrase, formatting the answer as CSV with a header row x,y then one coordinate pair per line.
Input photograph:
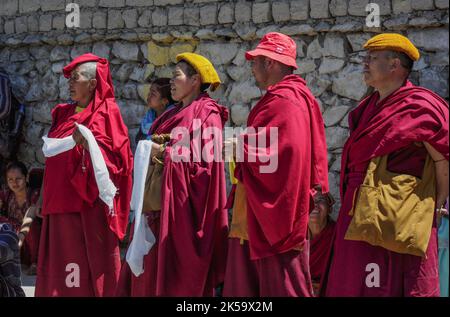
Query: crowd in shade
x,y
272,235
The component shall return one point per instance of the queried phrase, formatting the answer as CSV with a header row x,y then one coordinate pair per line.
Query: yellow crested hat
x,y
393,42
203,66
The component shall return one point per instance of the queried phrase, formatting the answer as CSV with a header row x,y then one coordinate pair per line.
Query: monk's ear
x,y
92,84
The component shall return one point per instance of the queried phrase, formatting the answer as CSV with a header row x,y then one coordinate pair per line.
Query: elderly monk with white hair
x,y
79,251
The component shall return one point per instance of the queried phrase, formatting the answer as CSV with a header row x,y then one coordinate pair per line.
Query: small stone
x,y
159,17
302,29
336,137
218,53
357,40
175,16
430,39
112,3
333,46
79,50
52,5
191,16
314,50
243,11
441,4
333,115
244,92
101,49
261,12
59,53
331,65
158,55
145,20
176,49
33,23
338,8
305,66
280,11
130,18
358,7
21,25
401,6
422,4
27,6
115,20
239,114
99,20
319,9
126,51
45,23
349,82
226,13
208,14
299,10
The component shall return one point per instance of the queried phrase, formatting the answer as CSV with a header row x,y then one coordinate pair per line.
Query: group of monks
x,y
189,247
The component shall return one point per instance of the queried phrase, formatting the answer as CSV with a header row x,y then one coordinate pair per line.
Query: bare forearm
x,y
442,182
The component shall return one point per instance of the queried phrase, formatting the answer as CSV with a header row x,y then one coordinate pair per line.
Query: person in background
x,y
159,100
320,233
14,203
443,250
10,284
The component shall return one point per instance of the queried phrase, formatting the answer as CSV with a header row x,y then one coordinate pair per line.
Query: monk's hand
x,y
79,138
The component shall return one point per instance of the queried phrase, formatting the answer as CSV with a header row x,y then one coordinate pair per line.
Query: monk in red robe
x,y
268,246
79,250
406,123
188,257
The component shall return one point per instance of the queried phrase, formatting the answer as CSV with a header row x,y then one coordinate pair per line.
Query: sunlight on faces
x,y
182,85
379,68
81,86
155,100
17,182
260,71
319,214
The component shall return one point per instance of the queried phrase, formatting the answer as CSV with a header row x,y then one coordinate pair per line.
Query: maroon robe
x,y
410,114
189,256
79,239
319,249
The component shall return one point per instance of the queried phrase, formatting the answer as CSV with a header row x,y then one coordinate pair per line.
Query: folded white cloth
x,y
143,237
106,188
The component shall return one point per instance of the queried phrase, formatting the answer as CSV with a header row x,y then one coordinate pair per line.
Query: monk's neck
x,y
190,98
316,228
85,101
388,89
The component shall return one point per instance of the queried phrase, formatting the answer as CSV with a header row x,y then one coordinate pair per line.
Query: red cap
x,y
276,46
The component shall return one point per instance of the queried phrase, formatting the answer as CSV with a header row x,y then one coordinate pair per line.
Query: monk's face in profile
x,y
81,88
260,72
17,182
377,68
182,83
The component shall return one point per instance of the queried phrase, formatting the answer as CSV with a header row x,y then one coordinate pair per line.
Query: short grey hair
x,y
88,70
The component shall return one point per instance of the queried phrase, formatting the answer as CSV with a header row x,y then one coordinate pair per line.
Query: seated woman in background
x,y
14,203
158,101
320,231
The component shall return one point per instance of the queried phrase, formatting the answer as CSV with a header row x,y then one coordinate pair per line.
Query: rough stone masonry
x,y
142,37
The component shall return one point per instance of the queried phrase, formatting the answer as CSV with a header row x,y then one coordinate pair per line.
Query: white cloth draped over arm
x,y
143,237
106,188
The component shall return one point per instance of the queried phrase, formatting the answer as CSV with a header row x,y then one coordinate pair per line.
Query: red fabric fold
x,y
279,203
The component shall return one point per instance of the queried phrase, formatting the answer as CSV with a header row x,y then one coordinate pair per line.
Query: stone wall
x,y
142,37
